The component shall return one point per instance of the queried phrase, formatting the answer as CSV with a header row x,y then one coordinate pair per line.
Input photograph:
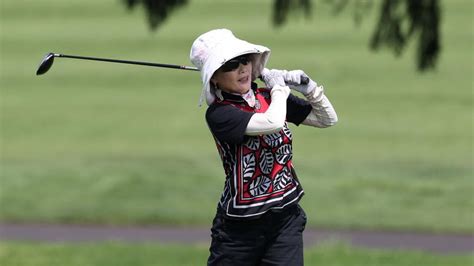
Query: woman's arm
x,y
274,118
323,114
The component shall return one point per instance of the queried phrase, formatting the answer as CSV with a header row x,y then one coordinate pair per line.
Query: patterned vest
x,y
259,172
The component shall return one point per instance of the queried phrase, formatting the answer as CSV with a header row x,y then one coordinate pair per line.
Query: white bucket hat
x,y
214,48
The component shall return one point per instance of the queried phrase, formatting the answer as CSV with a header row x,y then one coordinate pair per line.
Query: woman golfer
x,y
258,220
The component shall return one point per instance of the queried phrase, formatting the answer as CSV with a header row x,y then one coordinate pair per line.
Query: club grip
x,y
304,80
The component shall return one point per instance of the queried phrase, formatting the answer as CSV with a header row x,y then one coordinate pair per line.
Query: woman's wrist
x,y
315,95
278,90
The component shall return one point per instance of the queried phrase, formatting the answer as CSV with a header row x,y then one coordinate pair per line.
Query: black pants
x,y
274,239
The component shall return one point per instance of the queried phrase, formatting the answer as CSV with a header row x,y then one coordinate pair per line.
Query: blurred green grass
x,y
117,253
94,142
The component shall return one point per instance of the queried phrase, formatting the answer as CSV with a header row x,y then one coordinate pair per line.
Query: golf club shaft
x,y
304,80
127,62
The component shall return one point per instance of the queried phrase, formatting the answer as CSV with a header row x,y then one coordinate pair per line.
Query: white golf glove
x,y
294,77
273,77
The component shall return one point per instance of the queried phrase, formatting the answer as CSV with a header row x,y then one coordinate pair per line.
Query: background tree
x,y
398,22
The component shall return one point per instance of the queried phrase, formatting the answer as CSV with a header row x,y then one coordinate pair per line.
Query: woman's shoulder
x,y
220,112
219,109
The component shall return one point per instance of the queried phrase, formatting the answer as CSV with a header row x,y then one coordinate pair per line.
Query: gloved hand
x,y
293,79
273,77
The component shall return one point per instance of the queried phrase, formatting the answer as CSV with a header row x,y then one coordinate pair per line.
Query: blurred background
x,y
111,144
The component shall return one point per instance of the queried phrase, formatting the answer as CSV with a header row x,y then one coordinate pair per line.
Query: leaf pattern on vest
x,y
266,161
273,140
253,143
259,186
282,179
283,154
287,131
248,166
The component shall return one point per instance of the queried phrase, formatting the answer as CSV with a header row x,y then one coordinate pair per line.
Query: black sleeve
x,y
227,123
297,109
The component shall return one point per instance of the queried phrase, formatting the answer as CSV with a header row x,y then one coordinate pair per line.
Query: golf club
x,y
48,61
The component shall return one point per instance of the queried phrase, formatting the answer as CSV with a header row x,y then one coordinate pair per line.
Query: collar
x,y
248,97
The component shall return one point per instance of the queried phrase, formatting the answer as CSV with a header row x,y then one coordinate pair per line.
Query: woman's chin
x,y
244,88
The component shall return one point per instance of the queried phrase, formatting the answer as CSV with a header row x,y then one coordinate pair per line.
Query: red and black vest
x,y
259,172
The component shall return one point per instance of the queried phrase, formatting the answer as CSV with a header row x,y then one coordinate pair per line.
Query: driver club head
x,y
45,64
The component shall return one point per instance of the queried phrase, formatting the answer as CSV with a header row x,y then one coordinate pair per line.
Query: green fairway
x,y
116,254
94,142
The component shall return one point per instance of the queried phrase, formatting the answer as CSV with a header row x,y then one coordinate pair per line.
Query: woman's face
x,y
235,76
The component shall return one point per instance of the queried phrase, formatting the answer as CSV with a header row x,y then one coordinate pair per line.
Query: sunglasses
x,y
234,63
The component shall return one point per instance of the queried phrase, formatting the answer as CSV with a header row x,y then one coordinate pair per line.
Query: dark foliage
x,y
399,21
157,10
281,9
402,20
